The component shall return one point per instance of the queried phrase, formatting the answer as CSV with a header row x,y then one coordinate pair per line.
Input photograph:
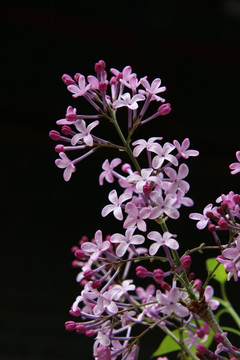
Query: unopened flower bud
x,y
70,325
66,130
76,313
54,135
59,148
186,262
81,329
100,66
68,80
88,274
90,333
198,284
77,76
200,332
236,199
79,254
147,189
223,224
211,227
201,349
165,286
96,284
219,338
103,86
71,116
164,109
191,276
126,167
76,264
209,214
158,275
142,272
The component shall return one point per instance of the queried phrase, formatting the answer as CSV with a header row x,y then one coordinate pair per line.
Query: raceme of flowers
x,y
110,303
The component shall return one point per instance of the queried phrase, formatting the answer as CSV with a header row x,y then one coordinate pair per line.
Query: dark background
x,y
194,47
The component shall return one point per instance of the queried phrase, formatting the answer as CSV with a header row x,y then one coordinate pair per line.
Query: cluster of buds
x,y
111,302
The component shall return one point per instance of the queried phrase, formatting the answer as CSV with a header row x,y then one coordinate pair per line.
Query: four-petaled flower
x,y
163,206
231,259
161,240
170,302
142,144
146,177
95,249
116,204
235,167
81,89
126,100
136,216
176,179
153,89
125,241
203,220
84,132
67,164
107,174
183,149
163,153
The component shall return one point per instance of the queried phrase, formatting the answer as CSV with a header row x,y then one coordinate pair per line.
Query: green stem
x,y
234,331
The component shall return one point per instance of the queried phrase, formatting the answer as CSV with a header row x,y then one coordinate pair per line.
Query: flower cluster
x,y
112,301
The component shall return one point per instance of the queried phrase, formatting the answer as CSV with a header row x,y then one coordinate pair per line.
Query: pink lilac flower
x,y
153,89
143,294
95,249
70,117
235,167
177,179
127,101
231,259
127,285
84,132
208,294
183,149
170,301
163,206
160,240
136,216
116,204
125,241
146,177
80,89
132,82
181,199
142,144
94,81
107,174
67,164
105,302
203,220
163,154
103,353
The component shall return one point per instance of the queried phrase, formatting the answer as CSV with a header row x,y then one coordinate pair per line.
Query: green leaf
x,y
167,345
220,273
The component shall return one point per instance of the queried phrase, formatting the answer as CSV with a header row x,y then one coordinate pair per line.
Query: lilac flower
x,y
81,89
143,294
136,216
202,218
126,241
105,302
84,132
123,289
163,206
70,117
129,102
108,169
116,204
153,89
231,259
95,249
67,164
177,179
163,153
181,199
160,240
235,167
125,74
208,294
170,302
132,82
182,149
142,144
143,179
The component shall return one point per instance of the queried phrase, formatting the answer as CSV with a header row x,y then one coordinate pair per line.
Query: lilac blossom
x,y
67,164
81,88
170,302
136,216
129,102
142,144
70,117
208,294
231,259
125,241
161,240
146,177
202,219
235,167
163,206
153,89
183,149
84,132
176,179
107,174
163,154
95,249
115,207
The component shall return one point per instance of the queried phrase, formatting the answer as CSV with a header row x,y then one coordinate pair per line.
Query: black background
x,y
194,47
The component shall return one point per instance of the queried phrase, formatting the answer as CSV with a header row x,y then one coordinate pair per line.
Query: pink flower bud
x,y
201,349
76,264
96,284
90,333
71,116
223,224
198,284
236,199
126,167
164,109
59,148
103,86
186,262
70,325
100,66
76,313
218,338
165,286
209,214
224,205
88,274
74,248
103,353
68,80
220,210
81,329
158,275
66,130
77,76
54,135
147,189
211,227
79,254
142,272
191,276
200,332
